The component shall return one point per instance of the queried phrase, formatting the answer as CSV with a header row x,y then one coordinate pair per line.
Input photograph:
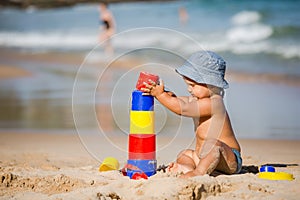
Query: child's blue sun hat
x,y
205,67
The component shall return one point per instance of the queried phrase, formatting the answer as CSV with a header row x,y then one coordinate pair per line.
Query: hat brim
x,y
202,76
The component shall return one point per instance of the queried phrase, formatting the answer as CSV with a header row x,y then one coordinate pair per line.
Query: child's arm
x,y
186,106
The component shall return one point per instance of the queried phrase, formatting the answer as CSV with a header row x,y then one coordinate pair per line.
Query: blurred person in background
x,y
107,27
183,15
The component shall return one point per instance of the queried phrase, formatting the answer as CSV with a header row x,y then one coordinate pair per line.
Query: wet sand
x,y
75,60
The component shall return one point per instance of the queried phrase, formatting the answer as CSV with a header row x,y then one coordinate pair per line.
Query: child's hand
x,y
153,88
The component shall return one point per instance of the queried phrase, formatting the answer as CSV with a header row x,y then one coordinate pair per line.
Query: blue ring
x,y
266,168
141,102
146,166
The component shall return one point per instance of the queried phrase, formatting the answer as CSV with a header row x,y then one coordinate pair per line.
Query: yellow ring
x,y
141,122
276,176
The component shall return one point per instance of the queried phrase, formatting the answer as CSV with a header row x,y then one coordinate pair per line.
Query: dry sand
x,y
57,166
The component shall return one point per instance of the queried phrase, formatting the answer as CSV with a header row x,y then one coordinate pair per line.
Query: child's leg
x,y
219,156
186,161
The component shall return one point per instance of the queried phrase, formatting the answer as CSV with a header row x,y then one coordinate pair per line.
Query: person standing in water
x,y
183,15
107,27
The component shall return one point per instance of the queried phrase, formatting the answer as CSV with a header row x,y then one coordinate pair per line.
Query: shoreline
x,y
76,59
46,166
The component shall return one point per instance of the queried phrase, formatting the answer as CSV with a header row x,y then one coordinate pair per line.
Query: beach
x,y
57,166
60,160
64,102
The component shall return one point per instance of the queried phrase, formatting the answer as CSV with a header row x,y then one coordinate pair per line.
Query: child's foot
x,y
177,168
172,167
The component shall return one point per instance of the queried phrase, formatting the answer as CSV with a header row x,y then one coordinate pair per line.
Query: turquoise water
x,y
255,38
237,27
241,30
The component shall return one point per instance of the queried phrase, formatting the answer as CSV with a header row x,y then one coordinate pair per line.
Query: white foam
x,y
160,39
250,48
46,40
249,36
246,17
218,43
134,40
245,39
249,33
287,51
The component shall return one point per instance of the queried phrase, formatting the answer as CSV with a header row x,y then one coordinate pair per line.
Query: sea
x,y
259,39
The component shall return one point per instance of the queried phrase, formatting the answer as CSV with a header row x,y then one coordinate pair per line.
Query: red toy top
x,y
145,77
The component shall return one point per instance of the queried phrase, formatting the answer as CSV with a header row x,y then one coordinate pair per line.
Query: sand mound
x,y
166,186
48,185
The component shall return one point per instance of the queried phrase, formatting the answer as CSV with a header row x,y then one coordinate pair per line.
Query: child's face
x,y
196,89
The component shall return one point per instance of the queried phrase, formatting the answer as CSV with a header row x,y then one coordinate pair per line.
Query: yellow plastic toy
x,y
109,163
276,176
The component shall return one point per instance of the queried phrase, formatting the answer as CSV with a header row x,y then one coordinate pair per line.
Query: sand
x,y
57,166
7,72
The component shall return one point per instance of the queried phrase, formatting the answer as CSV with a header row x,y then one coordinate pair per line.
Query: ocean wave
x,y
233,41
287,51
249,33
248,28
54,40
246,17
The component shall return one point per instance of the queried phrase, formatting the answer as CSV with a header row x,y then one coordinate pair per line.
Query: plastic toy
x,y
142,138
268,172
109,163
